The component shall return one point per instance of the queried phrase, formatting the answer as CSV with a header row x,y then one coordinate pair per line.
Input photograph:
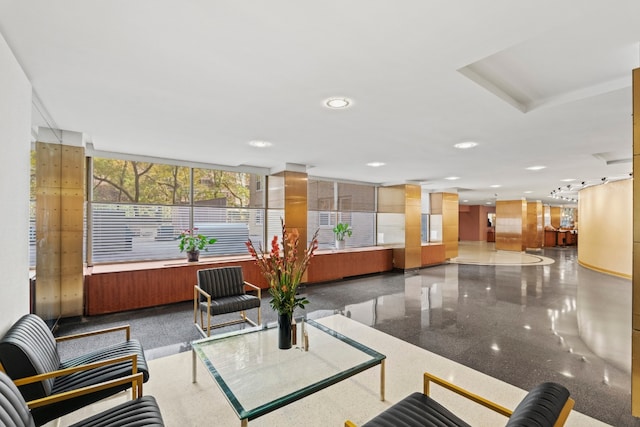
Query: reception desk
x,y
560,238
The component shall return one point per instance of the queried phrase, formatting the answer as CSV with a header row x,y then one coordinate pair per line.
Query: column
x,y
511,225
635,342
60,165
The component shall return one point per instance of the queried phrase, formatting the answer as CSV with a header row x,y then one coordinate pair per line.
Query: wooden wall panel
x,y
349,263
433,254
122,287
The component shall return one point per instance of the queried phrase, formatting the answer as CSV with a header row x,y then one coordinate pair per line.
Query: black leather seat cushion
x,y
416,410
231,304
134,413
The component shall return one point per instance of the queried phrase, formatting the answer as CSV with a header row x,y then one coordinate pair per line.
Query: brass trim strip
x,y
604,270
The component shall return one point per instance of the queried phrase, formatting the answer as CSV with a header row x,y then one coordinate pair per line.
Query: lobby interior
x,y
259,75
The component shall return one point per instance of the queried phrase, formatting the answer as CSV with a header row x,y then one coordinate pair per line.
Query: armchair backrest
x,y
13,409
29,348
542,406
222,281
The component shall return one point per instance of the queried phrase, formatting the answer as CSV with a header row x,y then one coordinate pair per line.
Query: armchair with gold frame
x,y
221,291
546,405
141,410
29,356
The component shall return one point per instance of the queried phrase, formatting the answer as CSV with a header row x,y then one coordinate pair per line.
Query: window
x,y
331,202
138,210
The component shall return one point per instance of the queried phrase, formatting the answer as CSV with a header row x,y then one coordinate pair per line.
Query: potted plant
x,y
192,242
342,230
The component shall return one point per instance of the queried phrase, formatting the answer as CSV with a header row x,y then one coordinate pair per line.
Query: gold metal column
x,y
59,229
511,225
635,342
535,225
405,199
295,202
447,205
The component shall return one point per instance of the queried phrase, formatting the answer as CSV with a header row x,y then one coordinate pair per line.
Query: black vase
x,y
284,331
193,256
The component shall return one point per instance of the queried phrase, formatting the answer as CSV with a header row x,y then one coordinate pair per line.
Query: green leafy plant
x,y
342,230
191,241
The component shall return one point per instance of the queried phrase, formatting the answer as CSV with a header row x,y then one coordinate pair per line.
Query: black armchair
x,y
29,356
546,405
221,291
141,411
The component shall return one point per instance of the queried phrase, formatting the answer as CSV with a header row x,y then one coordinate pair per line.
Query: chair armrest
x,y
136,381
60,372
465,393
254,287
126,328
197,290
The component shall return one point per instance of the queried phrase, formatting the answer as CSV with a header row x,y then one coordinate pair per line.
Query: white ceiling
x,y
534,82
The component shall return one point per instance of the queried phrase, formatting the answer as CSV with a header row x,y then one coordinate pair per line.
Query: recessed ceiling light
x,y
452,178
536,168
337,102
260,144
375,164
528,192
568,180
495,186
465,145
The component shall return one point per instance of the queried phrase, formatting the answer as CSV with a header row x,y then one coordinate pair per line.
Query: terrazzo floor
x,y
519,322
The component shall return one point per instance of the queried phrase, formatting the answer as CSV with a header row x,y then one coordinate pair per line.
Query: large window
x,y
331,202
138,210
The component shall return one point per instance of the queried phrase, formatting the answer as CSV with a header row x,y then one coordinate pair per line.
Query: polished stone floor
x,y
521,322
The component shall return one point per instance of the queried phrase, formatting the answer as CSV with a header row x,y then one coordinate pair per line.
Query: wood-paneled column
x,y
59,224
511,225
635,342
405,199
295,202
447,205
535,225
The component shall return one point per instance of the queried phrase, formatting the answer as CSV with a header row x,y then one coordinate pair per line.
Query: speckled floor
x,y
521,324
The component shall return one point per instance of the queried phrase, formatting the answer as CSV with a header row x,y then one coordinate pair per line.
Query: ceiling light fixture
x,y
536,168
337,102
260,144
465,145
452,178
375,164
495,186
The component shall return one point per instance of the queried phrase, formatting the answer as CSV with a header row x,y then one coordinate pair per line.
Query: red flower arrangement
x,y
284,271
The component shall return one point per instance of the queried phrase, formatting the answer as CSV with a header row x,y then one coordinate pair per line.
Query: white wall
x,y
15,143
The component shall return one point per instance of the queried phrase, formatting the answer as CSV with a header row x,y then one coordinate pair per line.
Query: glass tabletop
x,y
256,377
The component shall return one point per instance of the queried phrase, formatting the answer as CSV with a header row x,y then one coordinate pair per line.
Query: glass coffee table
x,y
256,377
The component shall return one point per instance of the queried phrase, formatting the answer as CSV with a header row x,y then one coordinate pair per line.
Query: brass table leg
x,y
382,380
193,366
244,422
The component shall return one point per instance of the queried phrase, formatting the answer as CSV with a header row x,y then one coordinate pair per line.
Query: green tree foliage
x,y
128,181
